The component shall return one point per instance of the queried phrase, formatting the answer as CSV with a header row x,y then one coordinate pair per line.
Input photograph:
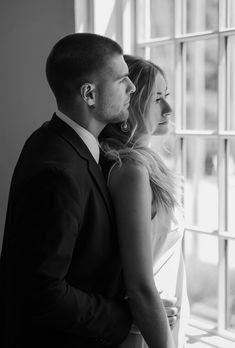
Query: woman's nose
x,y
166,108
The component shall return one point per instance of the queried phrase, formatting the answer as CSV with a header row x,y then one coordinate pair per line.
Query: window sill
x,y
201,338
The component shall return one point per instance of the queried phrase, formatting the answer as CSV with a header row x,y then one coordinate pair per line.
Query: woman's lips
x,y
163,122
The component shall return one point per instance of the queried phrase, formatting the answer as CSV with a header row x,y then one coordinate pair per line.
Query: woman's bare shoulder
x,y
130,169
129,179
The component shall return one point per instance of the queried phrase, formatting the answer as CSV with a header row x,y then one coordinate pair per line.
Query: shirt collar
x,y
87,137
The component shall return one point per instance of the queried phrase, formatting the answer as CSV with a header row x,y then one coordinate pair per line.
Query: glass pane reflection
x,y
201,191
201,15
164,57
231,13
201,257
166,147
162,18
231,78
231,281
231,185
155,18
201,85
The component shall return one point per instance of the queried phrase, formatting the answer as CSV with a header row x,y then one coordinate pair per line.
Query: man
x,y
60,268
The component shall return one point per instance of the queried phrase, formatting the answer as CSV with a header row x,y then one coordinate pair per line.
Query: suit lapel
x,y
79,146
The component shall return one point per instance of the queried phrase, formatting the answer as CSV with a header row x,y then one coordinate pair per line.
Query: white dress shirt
x,y
87,137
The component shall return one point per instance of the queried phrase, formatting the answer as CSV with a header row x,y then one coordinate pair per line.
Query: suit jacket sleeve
x,y
50,214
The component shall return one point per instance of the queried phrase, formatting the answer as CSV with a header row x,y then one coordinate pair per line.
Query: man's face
x,y
113,90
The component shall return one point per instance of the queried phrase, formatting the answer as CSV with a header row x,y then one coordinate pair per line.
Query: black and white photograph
x,y
117,191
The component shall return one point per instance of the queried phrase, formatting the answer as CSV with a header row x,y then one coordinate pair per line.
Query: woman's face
x,y
159,110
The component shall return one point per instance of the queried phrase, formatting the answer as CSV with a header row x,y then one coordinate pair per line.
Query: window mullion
x,y
90,16
222,14
223,265
221,120
179,8
147,28
119,13
228,83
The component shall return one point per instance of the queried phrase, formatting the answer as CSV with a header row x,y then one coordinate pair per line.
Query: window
x,y
194,42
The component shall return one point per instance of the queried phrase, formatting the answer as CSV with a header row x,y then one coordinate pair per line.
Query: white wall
x,y
28,30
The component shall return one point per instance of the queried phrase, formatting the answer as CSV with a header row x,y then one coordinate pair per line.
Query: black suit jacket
x,y
60,271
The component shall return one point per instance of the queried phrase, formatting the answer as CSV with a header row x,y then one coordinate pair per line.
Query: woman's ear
x,y
88,94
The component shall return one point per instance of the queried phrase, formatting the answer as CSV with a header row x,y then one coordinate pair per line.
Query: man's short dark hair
x,y
74,58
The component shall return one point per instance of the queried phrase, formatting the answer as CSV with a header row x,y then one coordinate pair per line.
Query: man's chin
x,y
121,117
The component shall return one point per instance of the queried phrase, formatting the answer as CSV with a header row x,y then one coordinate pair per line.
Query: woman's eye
x,y
158,100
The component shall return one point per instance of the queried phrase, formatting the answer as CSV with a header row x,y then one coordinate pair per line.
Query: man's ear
x,y
88,93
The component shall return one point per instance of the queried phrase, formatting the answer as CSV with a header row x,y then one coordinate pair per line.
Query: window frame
x,y
179,39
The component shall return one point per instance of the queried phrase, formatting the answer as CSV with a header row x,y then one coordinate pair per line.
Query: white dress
x,y
169,274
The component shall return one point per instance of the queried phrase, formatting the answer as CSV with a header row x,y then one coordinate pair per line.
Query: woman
x,y
149,219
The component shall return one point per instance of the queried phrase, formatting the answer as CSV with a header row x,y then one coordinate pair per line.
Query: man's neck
x,y
85,120
87,137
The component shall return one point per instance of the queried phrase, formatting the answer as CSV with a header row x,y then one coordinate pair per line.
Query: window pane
x,y
201,192
155,18
202,15
105,22
231,185
231,279
201,84
162,18
164,57
231,77
231,13
166,147
201,268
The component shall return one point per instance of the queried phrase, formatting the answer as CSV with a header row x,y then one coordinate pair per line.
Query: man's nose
x,y
132,87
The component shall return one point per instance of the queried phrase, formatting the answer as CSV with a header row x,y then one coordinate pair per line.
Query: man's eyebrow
x,y
122,76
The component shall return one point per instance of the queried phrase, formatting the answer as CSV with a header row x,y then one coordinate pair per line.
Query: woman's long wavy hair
x,y
119,146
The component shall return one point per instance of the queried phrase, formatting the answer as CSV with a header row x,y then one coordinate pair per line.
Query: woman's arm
x,y
131,193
